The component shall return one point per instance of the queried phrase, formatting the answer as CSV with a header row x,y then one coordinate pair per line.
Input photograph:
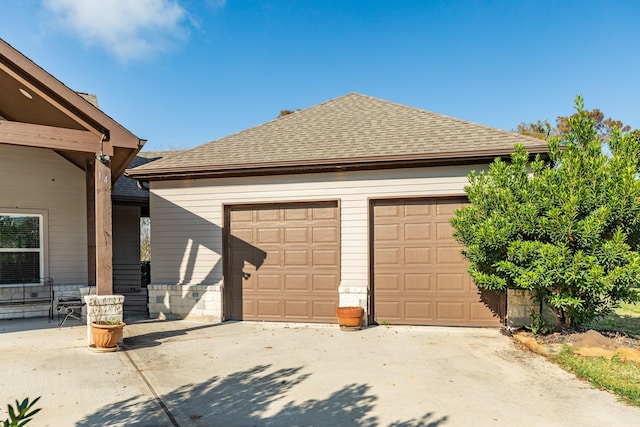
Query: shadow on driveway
x,y
244,398
172,329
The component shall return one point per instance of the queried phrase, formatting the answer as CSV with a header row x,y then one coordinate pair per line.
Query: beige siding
x,y
187,216
42,181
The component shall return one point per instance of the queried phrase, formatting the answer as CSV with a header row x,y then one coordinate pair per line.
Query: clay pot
x,y
350,318
106,336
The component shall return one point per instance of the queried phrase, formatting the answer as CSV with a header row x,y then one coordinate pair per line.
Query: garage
x,y
283,262
238,239
419,274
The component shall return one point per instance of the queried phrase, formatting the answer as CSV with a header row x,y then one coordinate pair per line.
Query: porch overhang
x,y
37,110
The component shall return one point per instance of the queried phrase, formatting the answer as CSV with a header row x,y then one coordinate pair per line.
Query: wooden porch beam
x,y
91,223
29,84
31,135
99,196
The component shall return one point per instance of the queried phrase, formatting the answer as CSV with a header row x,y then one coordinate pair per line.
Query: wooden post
x,y
103,227
91,223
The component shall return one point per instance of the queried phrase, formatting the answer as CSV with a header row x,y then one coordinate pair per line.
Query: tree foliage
x,y
145,239
542,129
286,113
566,228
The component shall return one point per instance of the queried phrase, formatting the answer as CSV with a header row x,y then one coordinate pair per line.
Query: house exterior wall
x,y
187,232
40,181
126,248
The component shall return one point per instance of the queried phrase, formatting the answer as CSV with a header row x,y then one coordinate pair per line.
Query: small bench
x,y
30,294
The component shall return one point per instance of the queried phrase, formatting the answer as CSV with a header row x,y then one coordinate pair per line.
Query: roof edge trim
x,y
386,162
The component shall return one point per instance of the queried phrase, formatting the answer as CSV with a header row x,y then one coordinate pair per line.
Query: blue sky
x,y
180,73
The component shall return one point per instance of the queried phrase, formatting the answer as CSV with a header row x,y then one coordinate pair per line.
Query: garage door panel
x,y
389,211
240,216
299,309
248,306
244,234
387,232
452,312
273,259
296,258
419,273
324,282
417,231
267,215
416,310
298,279
452,282
293,215
327,213
417,282
450,256
418,209
388,311
295,235
387,282
390,256
448,209
325,235
268,282
268,308
417,256
296,282
323,258
324,310
478,312
268,235
444,232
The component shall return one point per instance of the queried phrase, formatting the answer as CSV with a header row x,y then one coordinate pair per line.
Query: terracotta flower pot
x,y
350,318
106,336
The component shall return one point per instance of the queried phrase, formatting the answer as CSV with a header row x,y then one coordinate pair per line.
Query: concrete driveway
x,y
180,373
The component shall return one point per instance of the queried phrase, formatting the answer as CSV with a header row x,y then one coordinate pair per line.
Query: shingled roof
x,y
352,131
126,190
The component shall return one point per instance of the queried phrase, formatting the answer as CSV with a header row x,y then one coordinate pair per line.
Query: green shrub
x,y
566,228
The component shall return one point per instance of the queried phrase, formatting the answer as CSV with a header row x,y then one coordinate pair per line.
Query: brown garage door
x,y
419,273
283,262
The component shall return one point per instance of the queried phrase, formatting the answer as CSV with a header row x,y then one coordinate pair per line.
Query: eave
x,y
329,165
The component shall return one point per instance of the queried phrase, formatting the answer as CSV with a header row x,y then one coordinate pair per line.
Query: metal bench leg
x,y
70,312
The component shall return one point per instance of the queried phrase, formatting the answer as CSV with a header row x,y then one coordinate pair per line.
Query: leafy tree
x,y
566,229
542,129
604,127
286,113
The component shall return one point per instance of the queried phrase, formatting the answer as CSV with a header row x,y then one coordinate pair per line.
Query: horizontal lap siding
x,y
187,216
39,179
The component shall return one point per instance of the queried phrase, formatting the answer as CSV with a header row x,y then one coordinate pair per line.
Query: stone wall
x,y
192,302
520,304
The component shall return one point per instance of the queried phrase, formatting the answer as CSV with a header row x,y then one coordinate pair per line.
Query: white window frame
x,y
40,250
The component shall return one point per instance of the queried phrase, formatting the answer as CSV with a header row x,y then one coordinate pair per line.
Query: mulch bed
x,y
588,338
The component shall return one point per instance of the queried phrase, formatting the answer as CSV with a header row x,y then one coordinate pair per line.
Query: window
x,y
21,248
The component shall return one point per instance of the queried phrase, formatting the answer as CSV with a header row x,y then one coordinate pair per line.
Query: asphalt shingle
x,y
344,129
